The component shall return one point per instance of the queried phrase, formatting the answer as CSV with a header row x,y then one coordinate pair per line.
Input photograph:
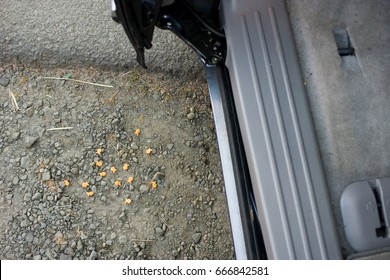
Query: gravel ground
x,y
174,209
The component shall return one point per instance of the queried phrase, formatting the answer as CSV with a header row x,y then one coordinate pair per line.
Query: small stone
x,y
15,136
65,257
143,188
134,146
93,255
15,180
175,253
159,231
30,237
191,116
24,161
196,237
88,139
4,81
69,251
136,248
58,235
37,196
170,147
79,245
24,223
122,239
27,197
156,97
36,241
46,176
73,244
122,217
83,236
37,257
113,236
30,112
39,103
30,141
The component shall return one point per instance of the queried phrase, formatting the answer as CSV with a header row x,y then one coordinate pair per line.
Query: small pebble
x,y
143,188
4,81
196,237
37,196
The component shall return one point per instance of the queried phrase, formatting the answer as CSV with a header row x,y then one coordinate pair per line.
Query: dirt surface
x,y
51,131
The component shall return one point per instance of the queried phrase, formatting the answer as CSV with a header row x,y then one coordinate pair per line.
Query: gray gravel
x,y
182,216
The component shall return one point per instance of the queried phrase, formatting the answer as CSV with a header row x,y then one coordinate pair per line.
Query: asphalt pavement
x,y
81,33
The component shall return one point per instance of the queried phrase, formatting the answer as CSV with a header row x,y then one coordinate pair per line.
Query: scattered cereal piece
x,y
103,174
138,132
149,151
85,185
99,151
67,183
154,184
118,183
99,163
113,169
127,201
90,193
126,166
130,180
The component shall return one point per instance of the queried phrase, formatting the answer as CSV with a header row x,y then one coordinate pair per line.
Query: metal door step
x,y
278,135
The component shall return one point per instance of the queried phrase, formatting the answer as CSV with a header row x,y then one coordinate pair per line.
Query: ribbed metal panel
x,y
278,134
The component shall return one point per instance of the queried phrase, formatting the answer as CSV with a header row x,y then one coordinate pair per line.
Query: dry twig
x,y
78,81
59,128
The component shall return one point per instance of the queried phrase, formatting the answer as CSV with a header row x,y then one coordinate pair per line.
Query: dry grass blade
x,y
14,103
59,128
78,81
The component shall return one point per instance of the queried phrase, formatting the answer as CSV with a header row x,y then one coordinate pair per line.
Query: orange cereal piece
x,y
130,180
127,201
90,193
113,169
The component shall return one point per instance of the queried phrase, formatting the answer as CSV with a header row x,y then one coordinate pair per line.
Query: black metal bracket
x,y
208,43
138,19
